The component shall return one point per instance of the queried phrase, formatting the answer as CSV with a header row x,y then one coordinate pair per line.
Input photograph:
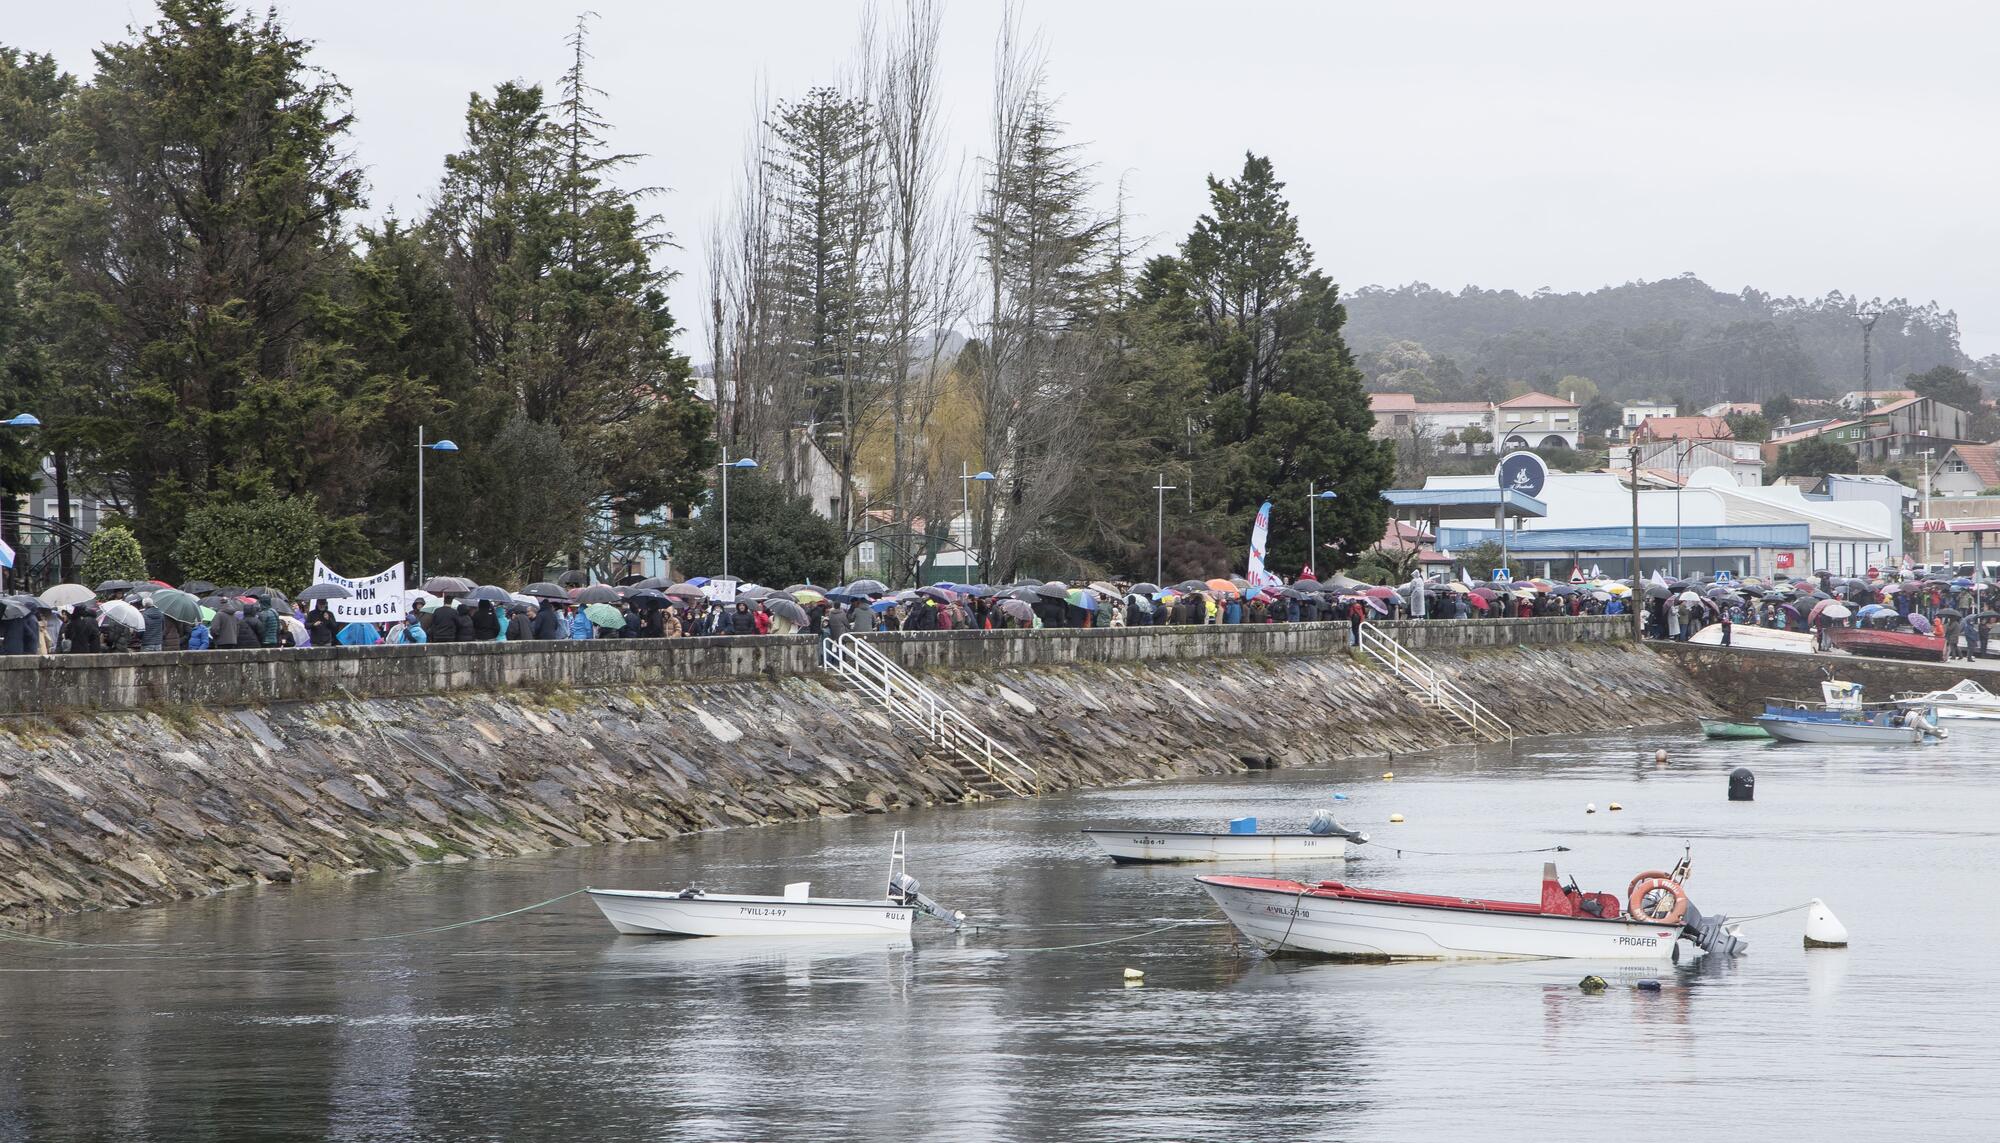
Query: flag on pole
x,y
6,554
1259,534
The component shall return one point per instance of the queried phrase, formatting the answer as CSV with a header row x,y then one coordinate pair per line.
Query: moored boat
x,y
1843,717
695,912
1324,840
1967,699
1335,919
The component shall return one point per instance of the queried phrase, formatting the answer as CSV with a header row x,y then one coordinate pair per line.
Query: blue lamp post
x,y
1312,522
725,466
422,448
965,479
18,421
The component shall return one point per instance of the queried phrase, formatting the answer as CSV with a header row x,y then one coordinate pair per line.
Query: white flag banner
x,y
377,598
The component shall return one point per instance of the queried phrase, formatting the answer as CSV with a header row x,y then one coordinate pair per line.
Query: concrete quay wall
x,y
224,679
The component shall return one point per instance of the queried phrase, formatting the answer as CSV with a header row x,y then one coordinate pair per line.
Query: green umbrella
x,y
177,605
605,615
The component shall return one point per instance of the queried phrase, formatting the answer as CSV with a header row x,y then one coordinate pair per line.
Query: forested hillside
x,y
1673,338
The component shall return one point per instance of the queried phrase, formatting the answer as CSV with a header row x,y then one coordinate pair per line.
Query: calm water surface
x,y
249,1016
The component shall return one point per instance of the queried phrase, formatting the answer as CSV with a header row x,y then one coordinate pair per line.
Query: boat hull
x,y
1826,730
1135,846
1717,728
1281,921
644,913
1887,644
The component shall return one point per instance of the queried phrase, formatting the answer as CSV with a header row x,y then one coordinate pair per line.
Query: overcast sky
x,y
1794,147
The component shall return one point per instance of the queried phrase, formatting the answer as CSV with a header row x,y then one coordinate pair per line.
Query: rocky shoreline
x,y
114,810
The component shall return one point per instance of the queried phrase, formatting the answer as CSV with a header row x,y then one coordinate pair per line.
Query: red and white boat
x,y
1347,921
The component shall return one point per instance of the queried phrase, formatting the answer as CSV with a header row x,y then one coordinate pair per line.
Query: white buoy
x,y
1614,807
1135,974
1395,819
1660,755
1389,776
1823,929
1590,807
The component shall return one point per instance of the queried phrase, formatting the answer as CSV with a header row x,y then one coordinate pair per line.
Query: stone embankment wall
x,y
1740,679
113,808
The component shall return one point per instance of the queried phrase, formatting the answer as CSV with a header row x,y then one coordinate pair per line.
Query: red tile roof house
x,y
1683,429
1536,420
1967,470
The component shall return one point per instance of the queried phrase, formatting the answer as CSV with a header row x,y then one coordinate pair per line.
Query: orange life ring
x,y
1648,875
1638,908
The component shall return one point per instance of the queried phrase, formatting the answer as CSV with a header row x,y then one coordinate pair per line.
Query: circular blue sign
x,y
1523,472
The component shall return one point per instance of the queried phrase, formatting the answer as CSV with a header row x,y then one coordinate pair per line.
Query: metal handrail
x,y
1407,666
907,697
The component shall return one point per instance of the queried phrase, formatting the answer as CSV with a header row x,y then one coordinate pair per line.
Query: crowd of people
x,y
1955,610
153,616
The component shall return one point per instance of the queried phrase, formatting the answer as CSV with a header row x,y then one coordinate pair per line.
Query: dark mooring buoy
x,y
1742,785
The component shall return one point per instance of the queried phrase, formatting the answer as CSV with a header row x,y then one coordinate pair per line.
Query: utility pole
x,y
1160,531
1632,601
1924,537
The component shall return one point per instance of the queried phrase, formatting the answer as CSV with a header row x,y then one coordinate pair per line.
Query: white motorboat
x,y
1324,840
1347,921
696,912
1966,700
1841,716
1884,732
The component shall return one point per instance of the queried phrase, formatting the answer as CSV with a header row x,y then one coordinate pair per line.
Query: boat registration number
x,y
1648,942
759,911
1287,911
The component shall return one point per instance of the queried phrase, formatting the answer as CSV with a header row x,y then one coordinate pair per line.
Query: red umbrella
x,y
1478,601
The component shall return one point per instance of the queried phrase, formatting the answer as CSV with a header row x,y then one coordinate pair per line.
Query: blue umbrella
x,y
359,635
882,605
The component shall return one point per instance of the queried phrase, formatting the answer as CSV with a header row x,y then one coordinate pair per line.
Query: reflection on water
x,y
249,1017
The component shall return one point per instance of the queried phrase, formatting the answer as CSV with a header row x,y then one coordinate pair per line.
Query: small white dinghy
x,y
695,912
1326,839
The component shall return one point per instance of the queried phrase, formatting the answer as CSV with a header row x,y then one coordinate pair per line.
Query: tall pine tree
x,y
192,215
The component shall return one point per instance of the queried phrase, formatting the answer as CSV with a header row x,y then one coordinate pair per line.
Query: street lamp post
x,y
1312,521
17,421
1160,530
422,448
965,479
725,466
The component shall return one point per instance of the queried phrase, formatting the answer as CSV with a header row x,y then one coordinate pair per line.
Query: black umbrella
x,y
324,591
270,595
598,593
573,578
656,582
786,609
630,580
866,587
448,585
686,591
491,594
647,595
1028,594
200,587
1307,585
546,591
1187,585
1977,616
227,603
1056,590
1154,588
111,585
12,609
1949,613
1025,581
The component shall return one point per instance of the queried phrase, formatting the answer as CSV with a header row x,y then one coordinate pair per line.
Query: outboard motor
x,y
1323,825
1711,934
1742,785
903,891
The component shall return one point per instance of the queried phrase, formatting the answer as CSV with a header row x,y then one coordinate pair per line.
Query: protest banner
x,y
379,598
